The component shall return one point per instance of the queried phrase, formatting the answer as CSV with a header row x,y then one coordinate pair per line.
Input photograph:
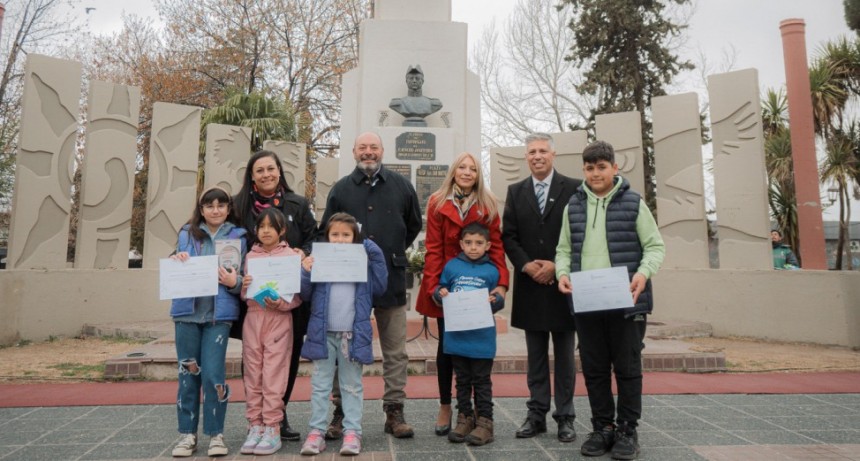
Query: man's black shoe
x,y
287,432
626,443
599,442
531,428
566,432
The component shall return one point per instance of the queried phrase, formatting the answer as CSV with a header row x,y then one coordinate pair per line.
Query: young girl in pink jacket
x,y
267,338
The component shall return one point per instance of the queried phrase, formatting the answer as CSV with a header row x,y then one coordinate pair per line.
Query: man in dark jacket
x,y
530,231
386,207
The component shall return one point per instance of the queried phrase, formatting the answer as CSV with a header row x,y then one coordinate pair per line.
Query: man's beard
x,y
368,168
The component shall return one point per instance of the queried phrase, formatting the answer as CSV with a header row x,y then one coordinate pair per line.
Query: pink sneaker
x,y
315,443
351,443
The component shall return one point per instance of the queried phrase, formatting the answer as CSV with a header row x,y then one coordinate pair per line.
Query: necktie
x,y
540,194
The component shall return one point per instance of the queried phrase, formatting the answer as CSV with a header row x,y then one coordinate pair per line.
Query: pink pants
x,y
267,343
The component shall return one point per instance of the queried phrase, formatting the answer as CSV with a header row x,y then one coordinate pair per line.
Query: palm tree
x,y
829,96
268,118
774,111
834,80
778,161
782,196
839,167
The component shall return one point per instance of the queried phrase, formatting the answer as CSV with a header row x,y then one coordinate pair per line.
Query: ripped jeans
x,y
201,349
349,374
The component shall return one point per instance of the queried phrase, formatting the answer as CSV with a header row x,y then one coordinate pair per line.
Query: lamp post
x,y
832,194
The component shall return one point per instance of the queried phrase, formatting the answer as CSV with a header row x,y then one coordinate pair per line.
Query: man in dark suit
x,y
532,223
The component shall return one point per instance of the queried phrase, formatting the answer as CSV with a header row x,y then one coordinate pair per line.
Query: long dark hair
x,y
208,196
347,219
276,219
244,202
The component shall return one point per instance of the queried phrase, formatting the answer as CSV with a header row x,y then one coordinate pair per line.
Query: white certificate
x,y
198,276
467,310
600,290
339,262
282,274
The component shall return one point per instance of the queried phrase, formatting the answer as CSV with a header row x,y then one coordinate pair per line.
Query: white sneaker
x,y
270,442
217,446
255,433
186,447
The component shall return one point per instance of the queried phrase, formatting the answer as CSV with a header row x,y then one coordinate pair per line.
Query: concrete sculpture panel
x,y
326,177
293,162
172,190
507,166
740,182
107,181
227,151
624,131
39,230
680,182
568,152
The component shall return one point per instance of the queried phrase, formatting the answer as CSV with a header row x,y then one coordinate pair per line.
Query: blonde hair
x,y
484,197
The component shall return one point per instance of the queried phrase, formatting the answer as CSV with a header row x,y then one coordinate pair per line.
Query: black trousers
x,y
608,341
301,317
538,376
444,367
473,377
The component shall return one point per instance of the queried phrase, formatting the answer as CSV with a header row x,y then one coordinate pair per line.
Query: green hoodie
x,y
595,251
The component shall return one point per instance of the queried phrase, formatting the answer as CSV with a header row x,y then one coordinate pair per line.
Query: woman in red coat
x,y
462,199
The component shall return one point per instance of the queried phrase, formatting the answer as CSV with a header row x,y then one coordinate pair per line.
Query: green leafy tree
x,y
625,47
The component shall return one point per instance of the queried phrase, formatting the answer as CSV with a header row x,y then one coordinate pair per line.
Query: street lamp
x,y
832,194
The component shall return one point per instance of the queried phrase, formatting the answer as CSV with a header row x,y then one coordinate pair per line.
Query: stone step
x,y
156,360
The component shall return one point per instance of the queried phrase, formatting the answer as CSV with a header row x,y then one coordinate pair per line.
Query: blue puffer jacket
x,y
226,302
361,349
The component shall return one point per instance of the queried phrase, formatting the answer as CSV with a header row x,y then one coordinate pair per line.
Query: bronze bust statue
x,y
415,106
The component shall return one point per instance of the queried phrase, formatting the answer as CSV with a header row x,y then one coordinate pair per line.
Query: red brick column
x,y
810,226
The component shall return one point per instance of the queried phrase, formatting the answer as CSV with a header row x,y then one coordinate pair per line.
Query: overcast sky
x,y
748,29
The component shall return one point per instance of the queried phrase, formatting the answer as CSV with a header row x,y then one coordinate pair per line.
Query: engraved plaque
x,y
404,169
428,178
414,145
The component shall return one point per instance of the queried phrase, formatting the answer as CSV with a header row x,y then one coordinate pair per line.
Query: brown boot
x,y
483,432
465,425
335,428
395,424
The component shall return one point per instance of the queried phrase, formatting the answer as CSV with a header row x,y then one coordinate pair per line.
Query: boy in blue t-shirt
x,y
472,351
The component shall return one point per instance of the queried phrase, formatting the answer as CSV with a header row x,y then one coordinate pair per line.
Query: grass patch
x,y
73,369
122,339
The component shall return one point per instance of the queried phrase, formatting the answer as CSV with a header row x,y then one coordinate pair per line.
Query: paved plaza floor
x,y
674,427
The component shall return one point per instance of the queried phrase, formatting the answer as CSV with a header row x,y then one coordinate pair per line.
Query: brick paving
x,y
674,427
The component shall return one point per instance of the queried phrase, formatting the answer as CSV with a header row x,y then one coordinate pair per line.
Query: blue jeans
x,y
201,349
349,374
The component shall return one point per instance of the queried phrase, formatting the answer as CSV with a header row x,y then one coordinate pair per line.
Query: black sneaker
x,y
626,444
599,442
287,432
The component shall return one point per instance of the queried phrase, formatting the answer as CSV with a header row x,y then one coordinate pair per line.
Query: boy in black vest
x,y
606,224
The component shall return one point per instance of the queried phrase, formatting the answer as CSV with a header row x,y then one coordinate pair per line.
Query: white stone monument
x,y
401,34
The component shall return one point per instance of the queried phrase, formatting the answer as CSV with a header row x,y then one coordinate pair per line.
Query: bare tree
x,y
526,82
30,26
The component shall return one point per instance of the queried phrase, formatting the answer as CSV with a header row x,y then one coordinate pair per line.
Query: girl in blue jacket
x,y
202,324
339,337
